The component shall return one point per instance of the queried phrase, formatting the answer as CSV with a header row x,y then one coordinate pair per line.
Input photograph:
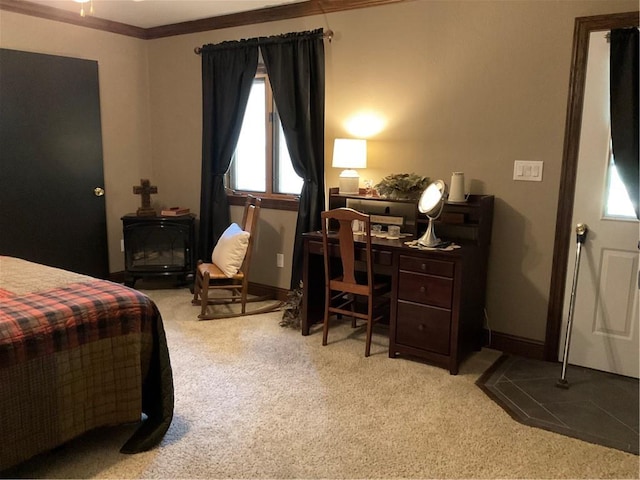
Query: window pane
x,y
287,180
249,163
618,203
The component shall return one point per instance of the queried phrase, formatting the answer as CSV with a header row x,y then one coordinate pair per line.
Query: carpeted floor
x,y
255,400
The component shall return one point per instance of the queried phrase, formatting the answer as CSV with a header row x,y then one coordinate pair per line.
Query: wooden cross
x,y
145,190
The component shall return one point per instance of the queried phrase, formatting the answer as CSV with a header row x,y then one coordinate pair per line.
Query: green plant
x,y
402,185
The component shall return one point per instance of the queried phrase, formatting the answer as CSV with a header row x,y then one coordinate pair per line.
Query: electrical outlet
x,y
122,245
529,171
279,260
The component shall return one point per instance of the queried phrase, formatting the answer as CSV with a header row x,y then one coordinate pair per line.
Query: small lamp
x,y
349,153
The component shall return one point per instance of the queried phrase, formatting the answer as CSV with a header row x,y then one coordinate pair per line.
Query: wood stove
x,y
159,246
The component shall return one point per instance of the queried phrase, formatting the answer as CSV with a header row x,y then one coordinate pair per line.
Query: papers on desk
x,y
446,247
385,235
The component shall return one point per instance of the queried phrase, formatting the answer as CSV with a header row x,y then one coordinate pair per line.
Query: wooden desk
x,y
437,297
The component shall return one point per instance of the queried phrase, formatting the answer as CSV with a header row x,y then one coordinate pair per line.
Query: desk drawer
x,y
423,327
379,257
425,289
426,265
316,248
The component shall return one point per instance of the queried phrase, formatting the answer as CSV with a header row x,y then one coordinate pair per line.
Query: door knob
x,y
98,192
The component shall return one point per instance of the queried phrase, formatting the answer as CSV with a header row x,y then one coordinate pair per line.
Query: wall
x,y
462,86
124,104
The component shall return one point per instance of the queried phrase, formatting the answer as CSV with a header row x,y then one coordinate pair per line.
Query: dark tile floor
x,y
598,407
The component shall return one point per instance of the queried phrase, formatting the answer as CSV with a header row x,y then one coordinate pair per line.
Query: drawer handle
x,y
421,327
423,266
423,289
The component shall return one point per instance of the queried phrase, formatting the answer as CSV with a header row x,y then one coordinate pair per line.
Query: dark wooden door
x,y
51,162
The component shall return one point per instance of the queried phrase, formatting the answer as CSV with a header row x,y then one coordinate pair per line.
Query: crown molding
x,y
270,14
59,15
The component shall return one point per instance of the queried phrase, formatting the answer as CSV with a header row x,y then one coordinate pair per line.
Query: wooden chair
x,y
344,286
209,276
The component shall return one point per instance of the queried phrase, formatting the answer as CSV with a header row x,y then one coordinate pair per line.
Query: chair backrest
x,y
250,224
345,217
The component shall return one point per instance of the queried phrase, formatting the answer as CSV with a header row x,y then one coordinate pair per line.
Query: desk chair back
x,y
344,286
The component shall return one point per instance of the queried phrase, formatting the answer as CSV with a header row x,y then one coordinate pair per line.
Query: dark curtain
x,y
295,65
624,108
228,70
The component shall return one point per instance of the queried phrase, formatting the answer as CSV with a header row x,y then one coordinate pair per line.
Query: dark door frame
x,y
584,26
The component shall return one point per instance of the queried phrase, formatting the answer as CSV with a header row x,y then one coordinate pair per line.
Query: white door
x,y
605,320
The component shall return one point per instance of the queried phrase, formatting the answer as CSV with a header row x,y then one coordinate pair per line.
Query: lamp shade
x,y
349,153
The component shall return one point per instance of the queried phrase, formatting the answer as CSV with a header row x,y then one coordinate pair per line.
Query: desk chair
x,y
231,272
343,287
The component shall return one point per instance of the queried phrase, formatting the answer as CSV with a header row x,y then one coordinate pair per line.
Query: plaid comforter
x,y
77,353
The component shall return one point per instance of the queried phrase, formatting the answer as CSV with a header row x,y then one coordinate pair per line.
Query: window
x,y
617,204
261,162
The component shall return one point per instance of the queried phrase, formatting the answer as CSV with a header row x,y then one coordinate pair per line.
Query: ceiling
x,y
154,13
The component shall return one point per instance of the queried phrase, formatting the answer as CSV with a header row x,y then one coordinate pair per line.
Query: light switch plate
x,y
527,170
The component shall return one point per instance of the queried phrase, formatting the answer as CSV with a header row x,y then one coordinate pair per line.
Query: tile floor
x,y
598,407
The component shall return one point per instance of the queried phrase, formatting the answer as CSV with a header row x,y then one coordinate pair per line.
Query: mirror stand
x,y
431,203
429,239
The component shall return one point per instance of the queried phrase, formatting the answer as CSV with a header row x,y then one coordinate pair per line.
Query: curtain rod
x,y
608,35
327,35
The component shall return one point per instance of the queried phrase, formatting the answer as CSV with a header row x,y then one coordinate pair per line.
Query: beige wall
x,y
462,86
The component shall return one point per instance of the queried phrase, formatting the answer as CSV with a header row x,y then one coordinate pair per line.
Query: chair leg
x,y
353,310
367,349
325,326
245,287
196,288
204,295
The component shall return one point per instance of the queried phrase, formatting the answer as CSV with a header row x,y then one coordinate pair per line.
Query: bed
x,y
77,353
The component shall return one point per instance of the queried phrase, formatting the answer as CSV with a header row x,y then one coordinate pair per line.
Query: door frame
x,y
584,26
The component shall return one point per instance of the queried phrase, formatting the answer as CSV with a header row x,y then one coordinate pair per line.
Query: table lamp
x,y
349,153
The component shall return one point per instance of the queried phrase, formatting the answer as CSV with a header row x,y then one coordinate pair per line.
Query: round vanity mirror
x,y
431,203
431,198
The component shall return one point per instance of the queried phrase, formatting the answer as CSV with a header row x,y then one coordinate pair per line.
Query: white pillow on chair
x,y
230,250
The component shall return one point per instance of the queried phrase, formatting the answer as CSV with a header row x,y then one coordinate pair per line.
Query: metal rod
x,y
326,35
581,236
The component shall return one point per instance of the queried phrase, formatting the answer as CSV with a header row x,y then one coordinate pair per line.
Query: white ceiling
x,y
154,13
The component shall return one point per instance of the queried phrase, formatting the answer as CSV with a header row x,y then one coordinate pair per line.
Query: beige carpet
x,y
255,400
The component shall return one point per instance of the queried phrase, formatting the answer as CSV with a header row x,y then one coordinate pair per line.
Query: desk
x,y
437,297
